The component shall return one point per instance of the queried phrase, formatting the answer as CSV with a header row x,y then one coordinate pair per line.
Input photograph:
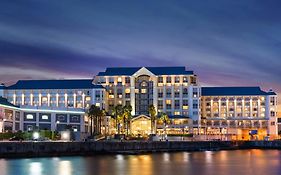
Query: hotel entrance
x,y
141,125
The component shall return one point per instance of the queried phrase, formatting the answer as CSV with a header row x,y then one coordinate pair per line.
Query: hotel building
x,y
48,104
239,112
53,104
171,90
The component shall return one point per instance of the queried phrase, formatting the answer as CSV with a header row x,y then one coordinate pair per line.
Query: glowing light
x,y
36,135
65,135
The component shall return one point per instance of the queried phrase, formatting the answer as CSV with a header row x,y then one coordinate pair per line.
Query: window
x,y
127,80
29,116
272,101
185,104
143,91
177,93
119,79
169,80
45,117
185,79
195,106
177,104
111,80
160,104
272,123
127,91
160,93
160,79
185,92
177,113
88,99
98,104
168,93
193,80
61,117
177,79
168,101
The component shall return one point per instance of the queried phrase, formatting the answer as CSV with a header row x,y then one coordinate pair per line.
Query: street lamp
x,y
3,127
56,125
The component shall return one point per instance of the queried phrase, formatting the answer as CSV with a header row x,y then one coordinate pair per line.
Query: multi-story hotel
x,y
53,104
239,112
48,104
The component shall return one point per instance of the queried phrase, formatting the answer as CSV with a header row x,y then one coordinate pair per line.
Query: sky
x,y
225,42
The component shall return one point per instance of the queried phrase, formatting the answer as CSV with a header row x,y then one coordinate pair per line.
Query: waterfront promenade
x,y
35,149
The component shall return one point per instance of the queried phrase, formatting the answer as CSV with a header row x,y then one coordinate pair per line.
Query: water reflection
x,y
200,163
35,168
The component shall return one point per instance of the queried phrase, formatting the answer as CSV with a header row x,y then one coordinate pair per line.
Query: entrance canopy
x,y
141,125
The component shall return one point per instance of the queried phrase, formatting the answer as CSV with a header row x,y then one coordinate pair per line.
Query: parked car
x,y
16,138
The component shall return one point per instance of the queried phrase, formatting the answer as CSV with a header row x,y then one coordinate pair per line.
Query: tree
x,y
93,114
127,115
152,113
117,112
165,119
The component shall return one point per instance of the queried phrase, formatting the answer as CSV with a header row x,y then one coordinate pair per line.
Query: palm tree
x,y
93,113
127,115
165,119
117,112
101,116
152,113
91,116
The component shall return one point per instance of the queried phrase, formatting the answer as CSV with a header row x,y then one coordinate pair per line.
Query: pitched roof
x,y
55,84
235,91
111,71
4,101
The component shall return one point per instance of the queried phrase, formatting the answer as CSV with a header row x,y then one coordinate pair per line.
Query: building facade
x,y
239,112
235,112
51,104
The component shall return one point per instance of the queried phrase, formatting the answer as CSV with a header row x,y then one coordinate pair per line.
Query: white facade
x,y
172,94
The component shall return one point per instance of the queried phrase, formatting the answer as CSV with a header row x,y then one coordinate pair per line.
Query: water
x,y
244,162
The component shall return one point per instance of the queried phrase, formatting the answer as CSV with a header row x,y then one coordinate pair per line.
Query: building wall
x,y
240,113
56,98
173,94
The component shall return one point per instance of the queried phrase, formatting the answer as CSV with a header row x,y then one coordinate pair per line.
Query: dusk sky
x,y
233,43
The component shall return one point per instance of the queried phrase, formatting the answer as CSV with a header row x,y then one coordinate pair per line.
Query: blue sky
x,y
225,42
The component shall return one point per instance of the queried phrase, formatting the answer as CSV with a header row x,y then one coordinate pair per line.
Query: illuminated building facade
x,y
171,90
235,112
239,112
49,104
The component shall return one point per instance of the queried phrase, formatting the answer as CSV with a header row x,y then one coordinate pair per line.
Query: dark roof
x,y
235,91
55,84
2,86
111,71
4,101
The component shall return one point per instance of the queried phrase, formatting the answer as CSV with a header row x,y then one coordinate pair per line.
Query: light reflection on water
x,y
247,162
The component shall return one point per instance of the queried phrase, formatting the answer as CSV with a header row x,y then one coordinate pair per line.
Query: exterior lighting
x,y
65,135
36,135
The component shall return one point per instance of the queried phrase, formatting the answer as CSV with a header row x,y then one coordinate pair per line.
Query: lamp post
x,y
3,127
56,125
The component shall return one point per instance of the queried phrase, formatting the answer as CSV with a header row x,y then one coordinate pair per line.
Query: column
x,y
132,95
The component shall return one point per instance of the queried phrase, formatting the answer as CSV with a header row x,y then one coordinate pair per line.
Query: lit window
x,y
98,104
127,91
119,79
29,116
136,91
177,113
45,117
111,96
184,107
143,91
44,99
168,102
88,98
